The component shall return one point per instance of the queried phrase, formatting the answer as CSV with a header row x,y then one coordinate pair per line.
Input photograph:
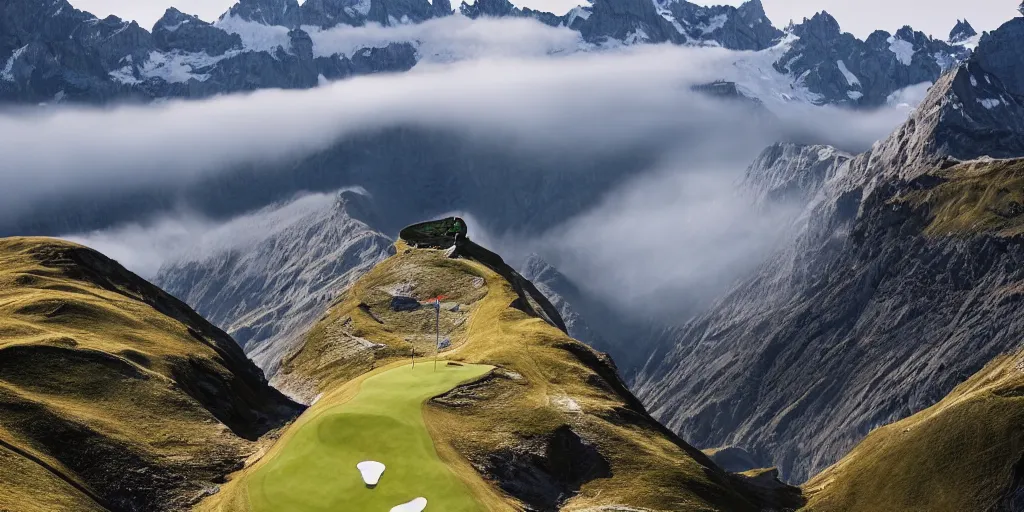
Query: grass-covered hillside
x,y
964,453
113,394
983,196
530,420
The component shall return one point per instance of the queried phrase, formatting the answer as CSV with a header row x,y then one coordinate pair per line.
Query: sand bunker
x,y
371,471
416,505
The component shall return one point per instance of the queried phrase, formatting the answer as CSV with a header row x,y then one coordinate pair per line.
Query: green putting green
x,y
316,467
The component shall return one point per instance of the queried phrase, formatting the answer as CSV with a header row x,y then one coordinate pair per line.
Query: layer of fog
x,y
143,247
671,232
602,101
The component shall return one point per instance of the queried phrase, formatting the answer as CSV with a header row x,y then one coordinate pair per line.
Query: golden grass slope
x,y
965,453
552,427
983,196
113,394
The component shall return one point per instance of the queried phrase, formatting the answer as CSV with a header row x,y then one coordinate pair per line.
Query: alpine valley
x,y
787,277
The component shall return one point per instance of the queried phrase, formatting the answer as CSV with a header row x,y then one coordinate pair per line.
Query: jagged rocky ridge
x,y
837,65
267,277
866,317
52,52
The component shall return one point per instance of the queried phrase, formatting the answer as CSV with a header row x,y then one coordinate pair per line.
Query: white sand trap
x,y
371,471
416,505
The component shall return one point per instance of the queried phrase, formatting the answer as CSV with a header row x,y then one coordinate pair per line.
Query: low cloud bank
x,y
672,231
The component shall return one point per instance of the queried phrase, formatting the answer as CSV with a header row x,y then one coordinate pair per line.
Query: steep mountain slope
x,y
265,278
552,427
113,394
963,453
900,285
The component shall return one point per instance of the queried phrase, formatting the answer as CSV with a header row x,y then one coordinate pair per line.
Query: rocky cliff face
x,y
266,277
870,314
844,69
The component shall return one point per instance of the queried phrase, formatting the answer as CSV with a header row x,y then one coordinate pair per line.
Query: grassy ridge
x,y
961,454
551,402
975,197
112,393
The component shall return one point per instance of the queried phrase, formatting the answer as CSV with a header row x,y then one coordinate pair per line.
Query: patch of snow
x,y
256,37
122,29
944,60
970,43
974,81
988,80
173,28
7,72
371,471
826,152
904,50
59,96
179,67
125,75
362,7
637,36
989,103
322,80
756,77
580,11
855,95
851,78
416,505
669,17
714,24
789,65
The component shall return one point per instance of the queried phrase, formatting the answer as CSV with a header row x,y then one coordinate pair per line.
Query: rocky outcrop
x,y
844,69
962,32
265,278
787,173
548,279
179,31
868,315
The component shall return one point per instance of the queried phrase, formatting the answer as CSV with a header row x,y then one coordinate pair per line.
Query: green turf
x,y
316,468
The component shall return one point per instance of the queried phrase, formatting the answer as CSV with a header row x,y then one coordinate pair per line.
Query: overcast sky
x,y
935,17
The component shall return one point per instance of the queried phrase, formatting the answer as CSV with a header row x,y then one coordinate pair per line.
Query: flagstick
x,y
437,330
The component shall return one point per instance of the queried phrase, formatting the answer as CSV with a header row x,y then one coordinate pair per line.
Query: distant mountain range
x,y
51,52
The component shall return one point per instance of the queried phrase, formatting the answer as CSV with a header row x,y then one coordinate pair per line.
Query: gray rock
x,y
330,13
999,53
179,31
267,277
744,28
787,173
268,12
874,69
861,319
962,32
